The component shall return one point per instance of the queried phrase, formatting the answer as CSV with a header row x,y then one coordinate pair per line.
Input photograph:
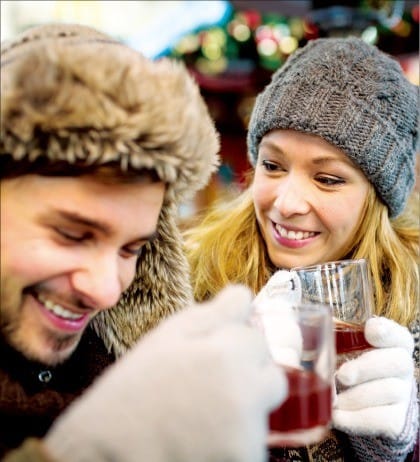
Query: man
x,y
99,146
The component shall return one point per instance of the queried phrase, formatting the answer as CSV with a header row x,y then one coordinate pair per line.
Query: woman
x,y
333,141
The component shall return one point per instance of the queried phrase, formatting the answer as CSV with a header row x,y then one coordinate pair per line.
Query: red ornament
x,y
253,18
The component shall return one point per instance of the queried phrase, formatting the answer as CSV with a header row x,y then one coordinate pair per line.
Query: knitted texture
x,y
378,449
384,449
356,98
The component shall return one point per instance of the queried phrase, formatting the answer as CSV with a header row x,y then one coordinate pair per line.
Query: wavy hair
x,y
227,247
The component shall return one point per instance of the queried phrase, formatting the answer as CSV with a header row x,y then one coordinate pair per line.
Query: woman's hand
x,y
379,398
282,333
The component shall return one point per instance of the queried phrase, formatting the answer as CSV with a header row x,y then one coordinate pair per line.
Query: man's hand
x,y
198,388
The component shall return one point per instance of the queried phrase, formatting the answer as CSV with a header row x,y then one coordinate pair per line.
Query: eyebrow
x,y
101,226
82,220
270,144
328,159
317,161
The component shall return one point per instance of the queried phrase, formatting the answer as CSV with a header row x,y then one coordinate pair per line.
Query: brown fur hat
x,y
73,94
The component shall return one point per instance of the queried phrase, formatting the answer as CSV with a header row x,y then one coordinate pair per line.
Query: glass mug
x,y
301,342
346,287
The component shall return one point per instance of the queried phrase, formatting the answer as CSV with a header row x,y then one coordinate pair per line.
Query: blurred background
x,y
231,48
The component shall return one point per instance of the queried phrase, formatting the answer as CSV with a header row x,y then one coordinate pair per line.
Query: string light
x,y
370,35
251,40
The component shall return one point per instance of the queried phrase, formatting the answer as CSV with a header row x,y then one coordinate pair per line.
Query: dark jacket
x,y
101,102
33,395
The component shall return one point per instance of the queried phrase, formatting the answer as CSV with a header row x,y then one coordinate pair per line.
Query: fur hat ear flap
x,y
159,289
94,101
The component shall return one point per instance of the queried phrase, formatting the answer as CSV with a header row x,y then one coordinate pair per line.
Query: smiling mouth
x,y
294,235
57,309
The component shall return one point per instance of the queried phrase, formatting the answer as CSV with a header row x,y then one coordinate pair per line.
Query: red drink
x,y
349,337
308,404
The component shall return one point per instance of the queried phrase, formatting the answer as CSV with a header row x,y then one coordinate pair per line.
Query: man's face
x,y
69,248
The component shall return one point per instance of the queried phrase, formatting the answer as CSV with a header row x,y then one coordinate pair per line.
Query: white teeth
x,y
58,310
294,235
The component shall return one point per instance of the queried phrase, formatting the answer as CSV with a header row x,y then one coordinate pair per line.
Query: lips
x,y
58,310
292,238
295,235
60,315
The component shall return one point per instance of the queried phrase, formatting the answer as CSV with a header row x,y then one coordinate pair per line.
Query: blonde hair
x,y
227,247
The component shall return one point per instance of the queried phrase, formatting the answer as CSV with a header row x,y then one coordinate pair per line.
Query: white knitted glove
x,y
380,383
283,285
198,388
274,316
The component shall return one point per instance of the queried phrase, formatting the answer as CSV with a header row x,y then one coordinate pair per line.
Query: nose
x,y
293,196
99,283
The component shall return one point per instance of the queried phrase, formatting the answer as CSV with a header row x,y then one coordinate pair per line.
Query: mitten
x,y
199,387
378,398
274,316
283,285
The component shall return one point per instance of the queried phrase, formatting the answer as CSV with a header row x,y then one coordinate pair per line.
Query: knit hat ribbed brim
x,y
356,98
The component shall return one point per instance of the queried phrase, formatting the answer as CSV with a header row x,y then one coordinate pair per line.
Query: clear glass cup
x,y
301,342
346,287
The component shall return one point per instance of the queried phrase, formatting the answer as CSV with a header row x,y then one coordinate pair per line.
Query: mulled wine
x,y
349,337
308,404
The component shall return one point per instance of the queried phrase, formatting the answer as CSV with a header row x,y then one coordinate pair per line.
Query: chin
x,y
56,357
285,263
50,351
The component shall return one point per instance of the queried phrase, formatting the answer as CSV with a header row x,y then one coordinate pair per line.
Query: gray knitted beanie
x,y
356,98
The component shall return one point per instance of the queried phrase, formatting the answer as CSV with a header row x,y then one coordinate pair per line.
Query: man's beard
x,y
55,348
60,347
9,297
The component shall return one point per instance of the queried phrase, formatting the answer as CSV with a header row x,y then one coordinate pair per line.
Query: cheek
x,y
128,271
15,263
32,261
262,195
344,215
24,253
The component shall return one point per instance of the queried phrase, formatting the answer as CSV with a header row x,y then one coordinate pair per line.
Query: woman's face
x,y
308,198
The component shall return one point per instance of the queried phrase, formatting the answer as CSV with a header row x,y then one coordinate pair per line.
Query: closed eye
x,y
73,236
135,248
132,251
